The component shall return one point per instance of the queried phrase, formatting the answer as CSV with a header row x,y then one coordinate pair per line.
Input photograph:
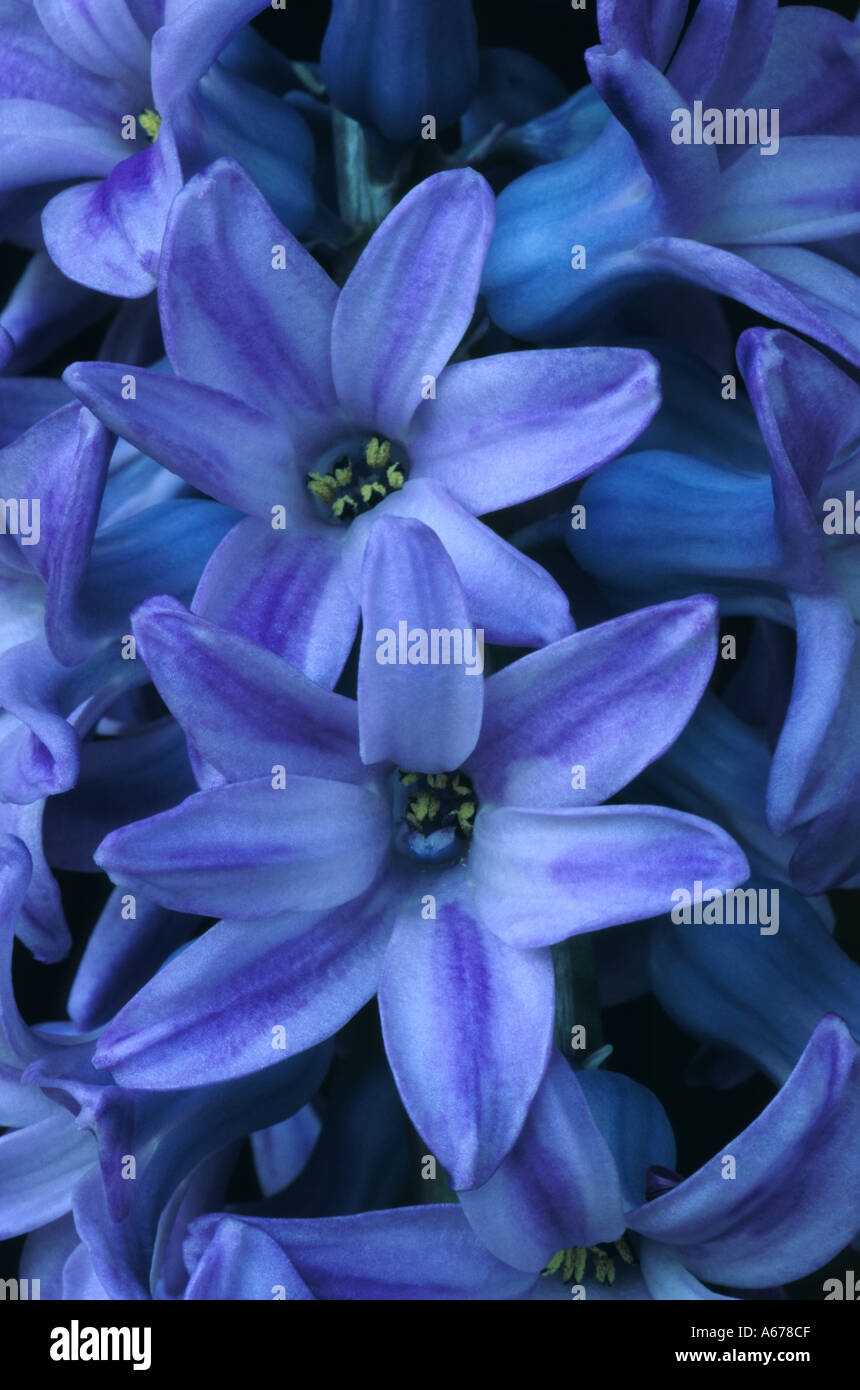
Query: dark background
x,y
648,1046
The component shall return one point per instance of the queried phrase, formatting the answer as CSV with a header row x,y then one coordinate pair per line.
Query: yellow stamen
x,y
322,485
151,122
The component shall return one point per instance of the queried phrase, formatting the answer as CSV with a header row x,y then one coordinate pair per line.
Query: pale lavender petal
x,y
542,876
504,429
423,714
254,848
609,700
410,298
467,1023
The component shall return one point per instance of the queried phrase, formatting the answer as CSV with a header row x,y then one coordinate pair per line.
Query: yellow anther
x,y
322,485
604,1266
395,477
368,490
151,122
343,476
573,1262
378,453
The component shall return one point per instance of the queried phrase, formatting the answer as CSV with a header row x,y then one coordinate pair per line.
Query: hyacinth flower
x,y
389,65
428,833
587,1194
129,96
796,1177
648,201
65,1160
772,542
97,529
316,412
414,1253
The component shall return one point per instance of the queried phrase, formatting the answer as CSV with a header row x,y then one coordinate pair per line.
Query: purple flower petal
x,y
805,778
650,29
34,67
101,35
61,463
285,591
610,699
542,876
557,1187
234,322
187,46
242,1262
505,429
510,596
419,712
685,178
108,235
424,1253
44,144
793,1203
39,1169
468,1027
247,994
245,710
410,298
667,1279
201,434
808,194
789,284
251,849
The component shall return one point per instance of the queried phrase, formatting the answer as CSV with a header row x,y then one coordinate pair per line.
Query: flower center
x,y
573,1262
358,481
151,122
436,812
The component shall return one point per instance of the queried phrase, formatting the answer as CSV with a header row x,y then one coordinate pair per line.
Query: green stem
x,y
577,1000
363,199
